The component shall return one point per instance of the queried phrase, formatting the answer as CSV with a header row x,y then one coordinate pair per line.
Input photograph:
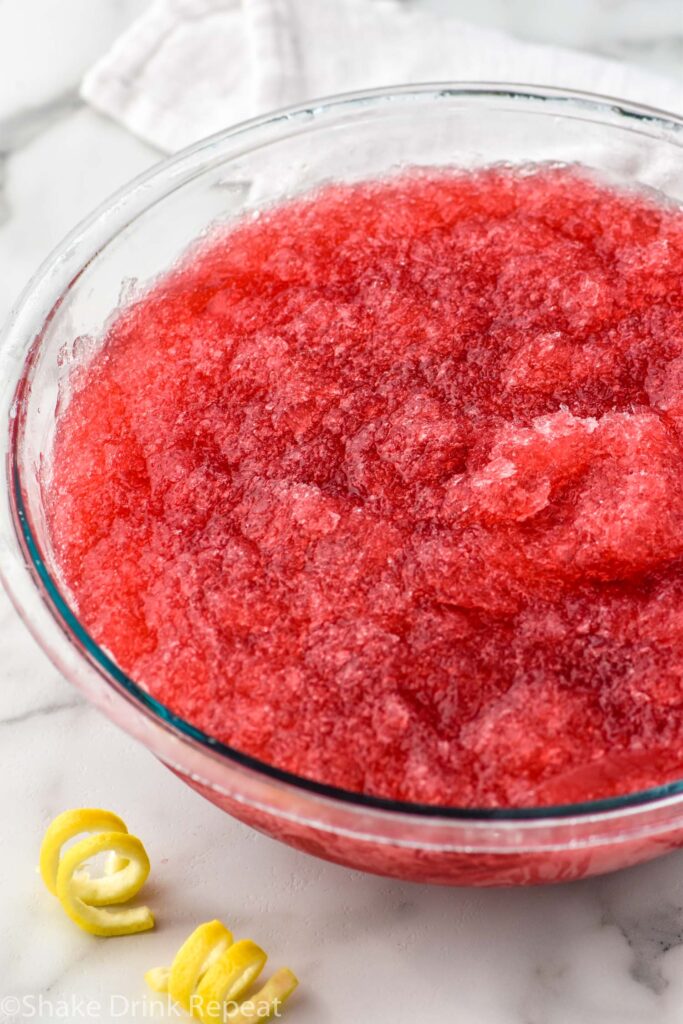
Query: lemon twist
x,y
88,901
210,973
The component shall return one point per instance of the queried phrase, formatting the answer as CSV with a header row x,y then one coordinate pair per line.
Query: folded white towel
x,y
188,68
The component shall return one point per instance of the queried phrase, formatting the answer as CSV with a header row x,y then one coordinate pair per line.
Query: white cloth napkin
x,y
188,68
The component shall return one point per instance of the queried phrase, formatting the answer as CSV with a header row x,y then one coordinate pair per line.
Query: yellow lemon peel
x,y
228,978
210,973
67,826
87,900
194,958
157,978
266,1003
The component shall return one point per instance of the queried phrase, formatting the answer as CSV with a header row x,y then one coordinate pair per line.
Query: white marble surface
x,y
608,951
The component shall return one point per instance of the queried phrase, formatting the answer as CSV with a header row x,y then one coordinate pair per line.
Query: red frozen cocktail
x,y
385,487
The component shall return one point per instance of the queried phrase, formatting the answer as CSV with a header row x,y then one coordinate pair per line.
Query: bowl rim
x,y
25,553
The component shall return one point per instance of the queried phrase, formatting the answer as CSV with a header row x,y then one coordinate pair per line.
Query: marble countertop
x,y
366,949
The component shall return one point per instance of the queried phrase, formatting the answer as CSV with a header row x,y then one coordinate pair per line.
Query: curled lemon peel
x,y
228,978
266,1003
210,973
86,900
157,978
67,826
194,958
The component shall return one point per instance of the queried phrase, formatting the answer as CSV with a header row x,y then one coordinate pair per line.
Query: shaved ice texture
x,y
385,487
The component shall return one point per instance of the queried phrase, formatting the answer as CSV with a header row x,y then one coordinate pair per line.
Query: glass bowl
x,y
138,234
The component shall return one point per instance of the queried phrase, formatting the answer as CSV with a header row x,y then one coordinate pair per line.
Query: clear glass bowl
x,y
138,234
